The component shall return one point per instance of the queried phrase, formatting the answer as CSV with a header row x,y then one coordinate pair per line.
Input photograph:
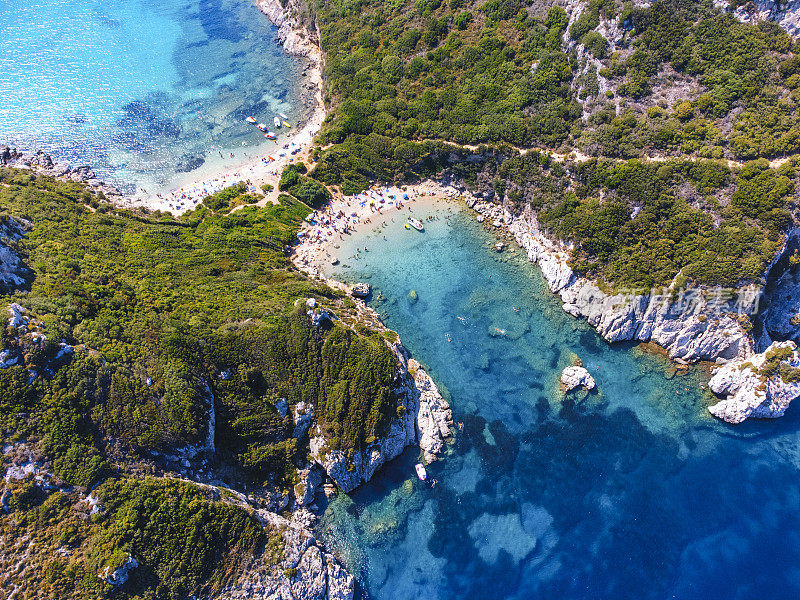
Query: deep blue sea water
x,y
634,491
142,90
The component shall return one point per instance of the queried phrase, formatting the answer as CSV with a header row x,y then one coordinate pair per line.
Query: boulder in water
x,y
360,290
574,376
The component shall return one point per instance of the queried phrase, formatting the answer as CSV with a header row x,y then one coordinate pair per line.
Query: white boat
x,y
421,472
270,135
262,127
251,120
415,224
283,116
277,122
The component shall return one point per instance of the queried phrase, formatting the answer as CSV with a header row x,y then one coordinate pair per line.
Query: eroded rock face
x,y
305,570
13,270
700,326
574,376
306,489
781,319
41,162
121,574
427,420
762,386
785,13
297,36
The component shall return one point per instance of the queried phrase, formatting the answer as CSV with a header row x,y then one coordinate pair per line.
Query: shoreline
x,y
354,215
295,40
687,332
187,192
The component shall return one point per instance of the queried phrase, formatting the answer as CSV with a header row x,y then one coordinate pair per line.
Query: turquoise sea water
x,y
142,90
630,492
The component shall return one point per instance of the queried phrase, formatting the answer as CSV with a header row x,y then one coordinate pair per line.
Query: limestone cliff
x,y
696,326
306,570
426,419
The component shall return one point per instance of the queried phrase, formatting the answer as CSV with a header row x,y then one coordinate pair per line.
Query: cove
x,y
633,491
148,92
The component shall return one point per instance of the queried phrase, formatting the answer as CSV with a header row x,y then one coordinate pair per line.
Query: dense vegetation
x,y
408,82
168,319
185,541
646,230
473,72
157,311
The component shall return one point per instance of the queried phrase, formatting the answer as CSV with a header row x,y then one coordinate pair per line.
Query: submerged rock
x,y
574,376
413,297
762,386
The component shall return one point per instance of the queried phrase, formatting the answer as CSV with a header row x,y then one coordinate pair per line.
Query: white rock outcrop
x,y
426,420
785,13
751,391
121,574
306,488
574,376
13,271
306,571
297,37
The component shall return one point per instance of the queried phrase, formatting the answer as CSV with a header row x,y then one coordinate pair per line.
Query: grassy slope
x,y
157,309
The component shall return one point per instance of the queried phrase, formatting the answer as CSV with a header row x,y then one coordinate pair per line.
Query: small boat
x,y
415,224
421,472
286,124
282,116
277,122
270,135
262,127
251,120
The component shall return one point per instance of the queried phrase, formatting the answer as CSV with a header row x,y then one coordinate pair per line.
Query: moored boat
x,y
270,135
251,120
415,224
286,124
421,472
277,122
262,127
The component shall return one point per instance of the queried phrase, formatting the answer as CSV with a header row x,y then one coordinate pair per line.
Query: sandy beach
x,y
266,167
351,215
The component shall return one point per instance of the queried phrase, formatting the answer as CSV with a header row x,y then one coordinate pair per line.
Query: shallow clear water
x,y
630,492
143,90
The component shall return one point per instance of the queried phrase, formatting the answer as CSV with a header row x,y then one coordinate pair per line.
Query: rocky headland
x,y
762,386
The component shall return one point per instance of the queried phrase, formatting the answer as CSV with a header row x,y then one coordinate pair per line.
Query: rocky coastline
x,y
42,163
692,325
